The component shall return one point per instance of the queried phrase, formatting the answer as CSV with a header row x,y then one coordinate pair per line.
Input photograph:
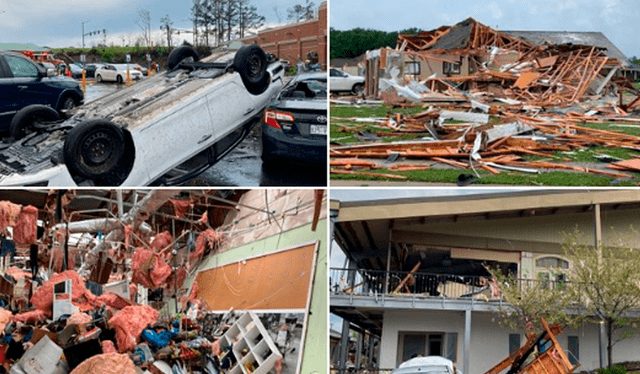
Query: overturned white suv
x,y
164,130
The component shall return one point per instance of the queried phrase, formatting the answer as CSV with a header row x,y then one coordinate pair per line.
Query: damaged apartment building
x,y
540,67
414,280
163,281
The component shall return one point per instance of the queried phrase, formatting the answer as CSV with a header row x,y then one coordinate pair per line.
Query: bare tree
x,y
144,22
301,12
165,24
275,9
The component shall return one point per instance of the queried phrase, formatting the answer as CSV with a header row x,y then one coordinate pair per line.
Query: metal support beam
x,y
344,347
467,341
597,221
359,351
386,277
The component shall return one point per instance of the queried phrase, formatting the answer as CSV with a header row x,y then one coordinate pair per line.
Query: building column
x,y
602,343
467,341
359,350
344,347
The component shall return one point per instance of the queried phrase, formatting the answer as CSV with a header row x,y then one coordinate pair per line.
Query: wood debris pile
x,y
492,147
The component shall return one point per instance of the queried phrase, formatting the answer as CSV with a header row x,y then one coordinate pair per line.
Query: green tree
x,y
607,282
248,17
603,286
355,42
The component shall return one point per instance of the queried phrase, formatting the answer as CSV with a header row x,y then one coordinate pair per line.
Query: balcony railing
x,y
397,283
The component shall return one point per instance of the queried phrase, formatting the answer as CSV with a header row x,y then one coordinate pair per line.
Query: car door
x,y
30,86
230,105
7,90
338,81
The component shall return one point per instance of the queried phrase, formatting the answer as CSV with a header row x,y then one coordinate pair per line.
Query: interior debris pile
x,y
99,281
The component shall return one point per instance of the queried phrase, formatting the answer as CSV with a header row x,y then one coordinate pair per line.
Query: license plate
x,y
318,129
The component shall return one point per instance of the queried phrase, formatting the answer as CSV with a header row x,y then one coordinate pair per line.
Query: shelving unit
x,y
255,351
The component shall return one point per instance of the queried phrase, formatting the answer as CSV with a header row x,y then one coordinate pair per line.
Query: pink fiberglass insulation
x,y
79,318
140,265
207,239
127,237
180,207
129,323
113,300
17,273
108,346
43,297
25,230
5,317
30,317
161,241
9,213
133,291
160,271
106,363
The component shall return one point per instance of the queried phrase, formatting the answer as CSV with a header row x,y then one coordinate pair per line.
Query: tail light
x,y
278,120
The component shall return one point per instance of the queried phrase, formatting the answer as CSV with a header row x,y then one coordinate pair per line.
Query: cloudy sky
x,y
617,19
58,23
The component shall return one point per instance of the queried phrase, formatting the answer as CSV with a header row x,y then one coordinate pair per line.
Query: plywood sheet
x,y
274,281
526,79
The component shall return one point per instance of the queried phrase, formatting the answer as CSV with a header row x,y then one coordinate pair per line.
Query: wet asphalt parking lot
x,y
242,166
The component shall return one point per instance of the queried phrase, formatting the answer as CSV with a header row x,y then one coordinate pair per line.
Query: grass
x,y
555,178
340,118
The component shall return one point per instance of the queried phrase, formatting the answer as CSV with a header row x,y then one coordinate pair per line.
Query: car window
x,y
21,68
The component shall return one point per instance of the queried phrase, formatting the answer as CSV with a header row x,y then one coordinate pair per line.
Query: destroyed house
x,y
556,68
132,281
413,281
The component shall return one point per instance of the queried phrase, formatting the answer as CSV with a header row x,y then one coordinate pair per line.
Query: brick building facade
x,y
293,42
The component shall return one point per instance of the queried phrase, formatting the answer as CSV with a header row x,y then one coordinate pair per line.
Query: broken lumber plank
x,y
450,162
390,176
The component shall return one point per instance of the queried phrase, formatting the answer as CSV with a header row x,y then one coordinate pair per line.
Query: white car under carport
x,y
163,130
427,365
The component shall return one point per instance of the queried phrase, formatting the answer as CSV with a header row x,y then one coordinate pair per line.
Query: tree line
x,y
355,42
216,21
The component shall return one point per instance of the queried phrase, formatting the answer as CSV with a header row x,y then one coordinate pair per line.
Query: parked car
x,y
339,81
116,73
23,82
76,70
427,365
140,68
294,127
90,69
164,130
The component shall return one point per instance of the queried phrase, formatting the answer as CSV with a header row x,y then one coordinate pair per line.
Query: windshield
x,y
307,89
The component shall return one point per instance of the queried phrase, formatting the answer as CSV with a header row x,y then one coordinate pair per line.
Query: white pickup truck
x,y
162,131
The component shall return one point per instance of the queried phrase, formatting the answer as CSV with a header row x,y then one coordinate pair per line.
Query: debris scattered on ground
x,y
505,104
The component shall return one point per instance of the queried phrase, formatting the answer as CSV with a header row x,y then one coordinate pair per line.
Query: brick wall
x,y
293,42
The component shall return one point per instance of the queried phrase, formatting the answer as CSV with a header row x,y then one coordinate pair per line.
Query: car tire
x,y
119,79
179,54
67,103
99,78
251,63
94,149
22,123
357,89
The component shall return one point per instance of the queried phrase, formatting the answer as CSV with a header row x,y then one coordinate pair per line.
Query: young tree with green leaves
x,y
606,280
603,286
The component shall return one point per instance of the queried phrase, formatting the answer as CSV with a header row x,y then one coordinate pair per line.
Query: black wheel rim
x,y
68,104
97,148
255,65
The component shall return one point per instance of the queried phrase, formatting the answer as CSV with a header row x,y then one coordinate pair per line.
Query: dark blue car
x,y
23,83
